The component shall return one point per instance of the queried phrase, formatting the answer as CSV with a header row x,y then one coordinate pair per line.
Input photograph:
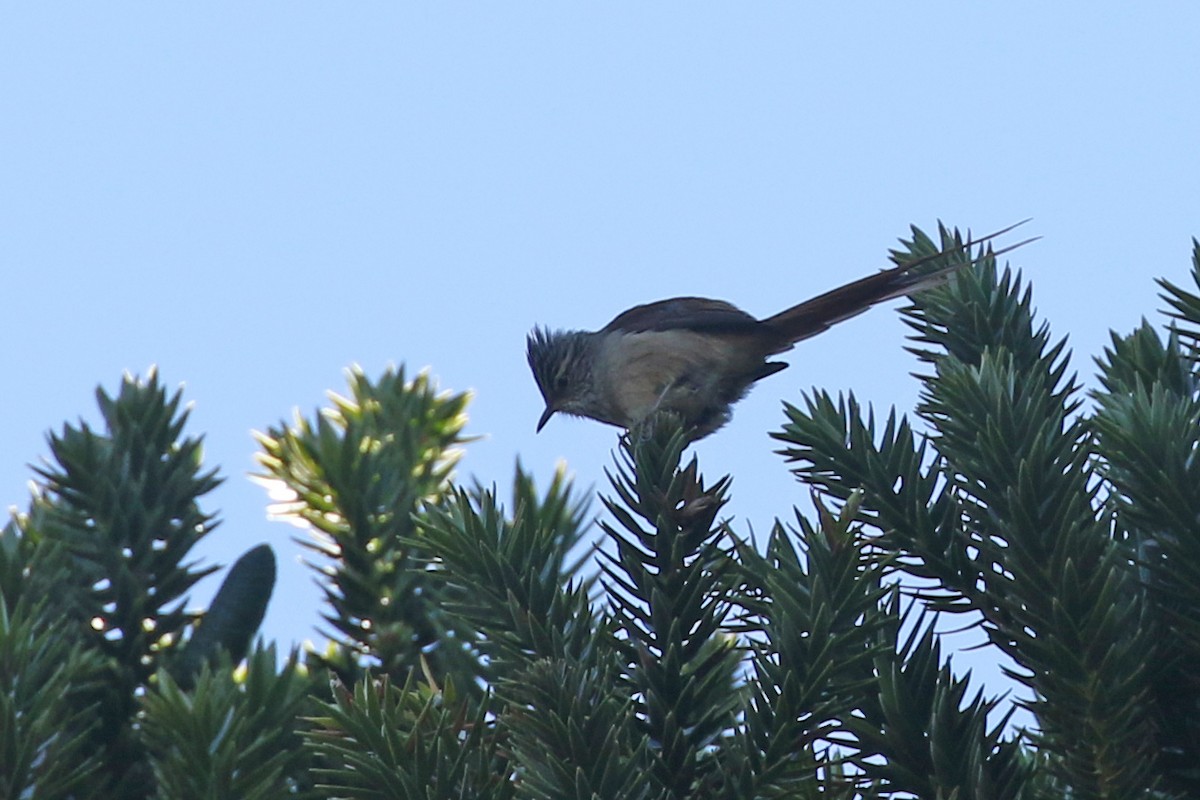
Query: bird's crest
x,y
555,357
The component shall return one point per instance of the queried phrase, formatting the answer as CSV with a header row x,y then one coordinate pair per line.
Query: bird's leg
x,y
684,382
646,428
663,396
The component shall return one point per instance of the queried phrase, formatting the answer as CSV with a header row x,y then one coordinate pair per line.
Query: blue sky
x,y
255,196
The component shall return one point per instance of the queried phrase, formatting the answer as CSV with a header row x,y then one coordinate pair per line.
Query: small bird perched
x,y
697,357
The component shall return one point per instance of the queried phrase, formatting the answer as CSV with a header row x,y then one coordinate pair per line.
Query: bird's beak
x,y
546,415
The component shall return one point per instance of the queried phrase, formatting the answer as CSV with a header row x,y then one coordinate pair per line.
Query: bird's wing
x,y
684,313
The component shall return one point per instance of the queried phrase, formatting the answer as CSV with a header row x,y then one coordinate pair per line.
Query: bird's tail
x,y
822,312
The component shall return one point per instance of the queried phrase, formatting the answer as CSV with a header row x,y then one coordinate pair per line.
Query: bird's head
x,y
562,366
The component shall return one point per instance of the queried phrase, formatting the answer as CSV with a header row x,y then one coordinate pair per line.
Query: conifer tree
x,y
500,645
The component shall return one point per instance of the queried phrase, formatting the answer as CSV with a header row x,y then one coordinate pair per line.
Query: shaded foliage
x,y
99,567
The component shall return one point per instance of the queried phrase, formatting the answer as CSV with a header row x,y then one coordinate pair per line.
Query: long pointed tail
x,y
823,311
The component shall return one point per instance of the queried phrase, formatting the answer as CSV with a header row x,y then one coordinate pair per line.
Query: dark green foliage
x,y
512,577
671,601
94,579
1148,429
357,475
122,505
1043,520
1183,306
575,734
47,729
411,741
921,734
479,653
231,735
818,612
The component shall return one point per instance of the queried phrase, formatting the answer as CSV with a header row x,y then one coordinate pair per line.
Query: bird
x,y
697,357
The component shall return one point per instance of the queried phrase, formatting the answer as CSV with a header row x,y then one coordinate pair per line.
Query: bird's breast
x,y
679,370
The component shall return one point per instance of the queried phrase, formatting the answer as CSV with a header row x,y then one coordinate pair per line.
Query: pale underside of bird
x,y
696,357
